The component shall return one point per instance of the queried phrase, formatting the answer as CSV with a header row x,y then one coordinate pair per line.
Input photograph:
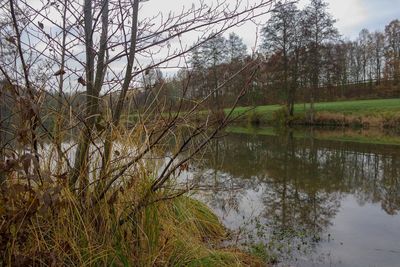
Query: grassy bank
x,y
383,113
370,136
177,232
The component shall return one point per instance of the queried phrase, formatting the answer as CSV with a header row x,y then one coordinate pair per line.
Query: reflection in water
x,y
304,197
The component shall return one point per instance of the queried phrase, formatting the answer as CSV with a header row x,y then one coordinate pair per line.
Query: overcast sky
x,y
352,15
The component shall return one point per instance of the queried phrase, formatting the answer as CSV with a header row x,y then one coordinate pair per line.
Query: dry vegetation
x,y
86,191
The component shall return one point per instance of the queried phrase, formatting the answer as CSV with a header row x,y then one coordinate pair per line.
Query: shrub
x,y
254,118
281,117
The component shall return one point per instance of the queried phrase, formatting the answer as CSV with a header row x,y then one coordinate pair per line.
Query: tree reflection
x,y
302,180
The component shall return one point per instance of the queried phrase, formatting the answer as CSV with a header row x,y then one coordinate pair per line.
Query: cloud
x,y
354,15
351,15
381,13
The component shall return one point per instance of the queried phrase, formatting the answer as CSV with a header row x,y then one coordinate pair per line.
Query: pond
x,y
310,201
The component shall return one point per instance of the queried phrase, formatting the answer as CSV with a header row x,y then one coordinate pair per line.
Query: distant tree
x,y
237,50
341,70
355,62
378,50
197,59
152,77
214,53
319,29
392,54
364,43
281,37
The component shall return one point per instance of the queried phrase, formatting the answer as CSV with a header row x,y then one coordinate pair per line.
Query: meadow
x,y
375,113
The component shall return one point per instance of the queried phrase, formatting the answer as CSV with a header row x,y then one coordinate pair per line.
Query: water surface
x,y
311,202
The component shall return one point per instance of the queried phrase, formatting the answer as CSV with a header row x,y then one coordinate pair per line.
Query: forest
x,y
302,58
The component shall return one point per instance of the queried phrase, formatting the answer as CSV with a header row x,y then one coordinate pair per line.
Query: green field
x,y
362,107
379,109
374,108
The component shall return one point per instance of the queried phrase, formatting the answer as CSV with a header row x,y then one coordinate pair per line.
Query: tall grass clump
x,y
50,227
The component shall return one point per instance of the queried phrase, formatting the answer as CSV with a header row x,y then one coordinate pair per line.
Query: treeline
x,y
303,58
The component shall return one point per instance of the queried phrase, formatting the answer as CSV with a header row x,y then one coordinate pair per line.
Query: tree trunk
x,y
120,104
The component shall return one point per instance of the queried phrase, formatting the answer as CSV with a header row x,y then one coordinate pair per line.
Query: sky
x,y
352,15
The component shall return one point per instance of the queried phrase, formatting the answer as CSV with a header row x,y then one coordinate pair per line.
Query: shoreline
x,y
378,113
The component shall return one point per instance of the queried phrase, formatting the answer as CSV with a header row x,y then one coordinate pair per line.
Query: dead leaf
x,y
184,167
11,40
59,72
82,81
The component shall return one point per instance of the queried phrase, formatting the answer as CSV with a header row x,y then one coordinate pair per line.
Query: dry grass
x,y
379,120
36,231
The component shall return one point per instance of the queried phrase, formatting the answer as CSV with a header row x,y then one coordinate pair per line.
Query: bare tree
x,y
103,52
378,46
282,37
319,29
74,70
392,54
237,50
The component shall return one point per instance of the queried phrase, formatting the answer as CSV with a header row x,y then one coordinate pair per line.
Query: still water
x,y
309,202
